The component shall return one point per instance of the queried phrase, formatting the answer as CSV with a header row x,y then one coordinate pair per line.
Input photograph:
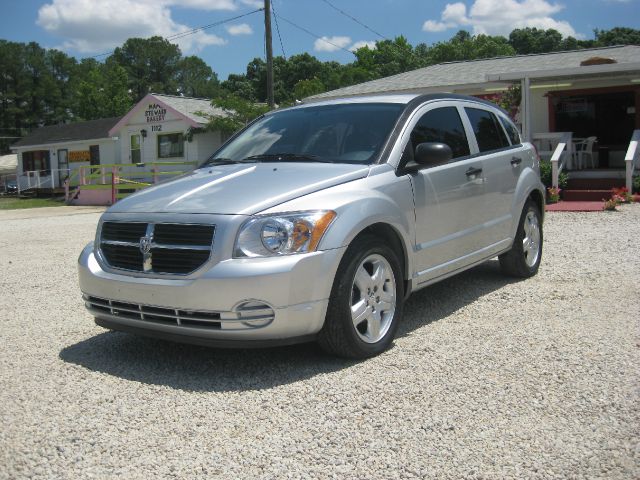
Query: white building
x,y
159,135
167,128
48,154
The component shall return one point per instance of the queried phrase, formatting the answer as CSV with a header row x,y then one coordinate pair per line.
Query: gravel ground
x,y
489,378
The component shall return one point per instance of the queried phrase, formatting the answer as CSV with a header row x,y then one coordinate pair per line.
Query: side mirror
x,y
432,153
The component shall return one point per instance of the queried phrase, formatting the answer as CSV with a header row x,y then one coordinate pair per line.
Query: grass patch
x,y
14,203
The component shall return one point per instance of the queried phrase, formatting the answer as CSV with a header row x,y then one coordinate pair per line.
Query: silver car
x,y
316,222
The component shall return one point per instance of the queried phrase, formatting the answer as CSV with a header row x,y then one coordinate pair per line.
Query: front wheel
x,y
525,255
366,301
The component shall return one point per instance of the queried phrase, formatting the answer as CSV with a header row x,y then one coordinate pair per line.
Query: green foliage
x,y
545,175
151,65
239,113
13,203
463,46
103,92
35,88
306,88
388,58
511,99
636,184
195,78
617,36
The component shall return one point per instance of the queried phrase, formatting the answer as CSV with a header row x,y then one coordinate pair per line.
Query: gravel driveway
x,y
489,378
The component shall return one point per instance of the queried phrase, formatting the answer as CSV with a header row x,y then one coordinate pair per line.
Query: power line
x,y
196,30
313,34
354,19
275,17
391,42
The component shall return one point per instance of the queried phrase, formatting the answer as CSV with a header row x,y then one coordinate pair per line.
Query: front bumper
x,y
235,301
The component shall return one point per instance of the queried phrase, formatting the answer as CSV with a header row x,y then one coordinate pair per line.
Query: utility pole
x,y
267,39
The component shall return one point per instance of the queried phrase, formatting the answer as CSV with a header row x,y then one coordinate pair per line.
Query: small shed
x,y
48,154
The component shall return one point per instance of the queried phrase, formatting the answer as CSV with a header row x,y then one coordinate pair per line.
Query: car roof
x,y
400,98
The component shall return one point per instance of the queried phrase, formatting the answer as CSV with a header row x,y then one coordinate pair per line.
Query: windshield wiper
x,y
285,157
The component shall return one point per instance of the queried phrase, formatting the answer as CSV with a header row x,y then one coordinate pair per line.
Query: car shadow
x,y
195,368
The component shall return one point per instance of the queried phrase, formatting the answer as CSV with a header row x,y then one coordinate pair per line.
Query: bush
x,y
636,184
545,175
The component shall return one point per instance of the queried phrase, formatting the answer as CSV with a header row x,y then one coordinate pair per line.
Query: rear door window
x,y
489,133
442,125
512,131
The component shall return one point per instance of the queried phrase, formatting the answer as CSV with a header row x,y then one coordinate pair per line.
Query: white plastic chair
x,y
584,152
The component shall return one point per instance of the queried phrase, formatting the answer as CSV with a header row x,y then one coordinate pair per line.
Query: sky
x,y
328,29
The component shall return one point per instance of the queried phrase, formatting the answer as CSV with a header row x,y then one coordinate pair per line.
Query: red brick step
x,y
594,183
585,195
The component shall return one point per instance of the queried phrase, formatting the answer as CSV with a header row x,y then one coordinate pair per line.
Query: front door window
x,y
63,166
136,150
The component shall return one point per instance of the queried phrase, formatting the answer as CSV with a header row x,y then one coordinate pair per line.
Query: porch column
x,y
525,108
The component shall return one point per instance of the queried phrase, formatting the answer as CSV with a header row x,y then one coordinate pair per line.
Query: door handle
x,y
516,161
473,171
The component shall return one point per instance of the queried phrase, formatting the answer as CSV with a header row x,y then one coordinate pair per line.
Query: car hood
x,y
239,189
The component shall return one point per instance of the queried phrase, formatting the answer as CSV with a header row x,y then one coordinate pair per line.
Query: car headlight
x,y
272,235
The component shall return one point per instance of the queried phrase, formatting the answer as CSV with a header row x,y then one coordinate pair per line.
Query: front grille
x,y
248,315
172,248
168,316
124,232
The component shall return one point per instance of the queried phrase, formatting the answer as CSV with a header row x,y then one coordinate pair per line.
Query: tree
x,y
463,46
103,92
151,65
306,88
239,113
534,40
34,88
389,57
240,86
195,78
617,36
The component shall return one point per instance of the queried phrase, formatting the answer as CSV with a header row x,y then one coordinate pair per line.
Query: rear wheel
x,y
366,301
525,255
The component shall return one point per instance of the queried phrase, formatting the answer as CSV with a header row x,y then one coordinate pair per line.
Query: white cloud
x,y
240,29
331,44
363,43
500,17
253,3
433,26
88,26
201,4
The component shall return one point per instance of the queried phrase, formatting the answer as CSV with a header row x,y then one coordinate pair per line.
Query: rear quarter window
x,y
512,131
486,126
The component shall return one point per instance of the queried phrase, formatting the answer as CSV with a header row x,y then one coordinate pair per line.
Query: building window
x,y
37,160
171,145
136,156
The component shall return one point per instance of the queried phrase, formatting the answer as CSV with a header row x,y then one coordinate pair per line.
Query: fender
x,y
378,199
528,182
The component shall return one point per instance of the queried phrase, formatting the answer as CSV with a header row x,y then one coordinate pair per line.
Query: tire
x,y
525,255
366,301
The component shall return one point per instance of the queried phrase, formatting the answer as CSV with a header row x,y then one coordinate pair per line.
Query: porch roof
x,y
70,132
479,72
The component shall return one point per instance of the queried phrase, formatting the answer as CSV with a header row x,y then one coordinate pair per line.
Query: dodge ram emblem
x,y
145,244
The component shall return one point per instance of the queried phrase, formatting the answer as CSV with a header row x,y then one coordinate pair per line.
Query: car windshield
x,y
343,133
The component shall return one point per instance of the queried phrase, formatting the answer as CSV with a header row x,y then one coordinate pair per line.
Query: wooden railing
x,y
557,148
123,178
631,159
